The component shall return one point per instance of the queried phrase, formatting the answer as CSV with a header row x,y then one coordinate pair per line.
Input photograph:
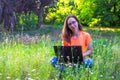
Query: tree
x,y
108,11
89,12
7,14
9,8
41,10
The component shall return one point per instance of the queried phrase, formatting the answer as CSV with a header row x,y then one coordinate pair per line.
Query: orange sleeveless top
x,y
83,40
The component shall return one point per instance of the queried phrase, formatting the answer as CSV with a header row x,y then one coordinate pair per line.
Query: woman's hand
x,y
89,50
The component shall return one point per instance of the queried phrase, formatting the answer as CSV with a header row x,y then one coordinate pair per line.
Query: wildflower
x,y
34,70
90,72
0,74
28,78
17,79
112,77
101,75
37,78
104,45
8,78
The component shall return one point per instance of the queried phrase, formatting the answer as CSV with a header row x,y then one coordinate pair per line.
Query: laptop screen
x,y
69,53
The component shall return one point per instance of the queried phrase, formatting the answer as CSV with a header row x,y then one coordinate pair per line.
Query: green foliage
x,y
21,61
57,15
71,7
107,12
94,22
89,12
86,11
27,22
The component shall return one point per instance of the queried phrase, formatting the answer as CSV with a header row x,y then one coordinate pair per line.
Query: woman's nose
x,y
72,25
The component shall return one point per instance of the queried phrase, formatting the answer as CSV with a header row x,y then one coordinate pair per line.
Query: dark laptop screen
x,y
69,53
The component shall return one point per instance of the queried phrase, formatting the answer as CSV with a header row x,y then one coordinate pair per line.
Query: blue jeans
x,y
88,62
54,62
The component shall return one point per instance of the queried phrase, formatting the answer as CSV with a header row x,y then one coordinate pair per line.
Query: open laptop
x,y
72,54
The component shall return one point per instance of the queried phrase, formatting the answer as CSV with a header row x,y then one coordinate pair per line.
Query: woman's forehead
x,y
71,19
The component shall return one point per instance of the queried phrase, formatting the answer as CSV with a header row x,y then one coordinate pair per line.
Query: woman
x,y
73,35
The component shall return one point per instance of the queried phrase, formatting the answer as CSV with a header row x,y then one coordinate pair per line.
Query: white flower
x,y
34,70
0,74
101,75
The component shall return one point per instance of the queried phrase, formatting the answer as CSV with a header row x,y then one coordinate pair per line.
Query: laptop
x,y
72,54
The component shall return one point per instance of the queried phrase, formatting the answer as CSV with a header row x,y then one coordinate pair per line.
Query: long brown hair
x,y
66,32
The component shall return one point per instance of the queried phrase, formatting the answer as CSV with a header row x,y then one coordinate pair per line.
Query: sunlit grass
x,y
21,61
107,29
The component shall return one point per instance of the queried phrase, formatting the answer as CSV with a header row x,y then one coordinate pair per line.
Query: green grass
x,y
29,58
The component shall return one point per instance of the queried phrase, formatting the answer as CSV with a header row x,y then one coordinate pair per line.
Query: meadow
x,y
26,55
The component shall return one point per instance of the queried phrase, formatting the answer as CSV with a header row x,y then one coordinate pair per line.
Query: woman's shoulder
x,y
85,33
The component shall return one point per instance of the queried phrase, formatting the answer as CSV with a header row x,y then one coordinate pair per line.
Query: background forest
x,y
89,12
103,13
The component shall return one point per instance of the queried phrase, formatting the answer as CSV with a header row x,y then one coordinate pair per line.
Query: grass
x,y
26,57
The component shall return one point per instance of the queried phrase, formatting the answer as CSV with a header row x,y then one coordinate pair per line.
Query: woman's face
x,y
72,24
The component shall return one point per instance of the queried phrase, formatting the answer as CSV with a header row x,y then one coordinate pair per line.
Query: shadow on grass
x,y
108,33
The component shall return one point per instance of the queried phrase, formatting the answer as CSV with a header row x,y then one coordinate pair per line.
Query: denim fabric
x,y
54,61
61,67
88,63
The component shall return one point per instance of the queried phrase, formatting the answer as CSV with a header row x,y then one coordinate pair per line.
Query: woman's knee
x,y
54,61
88,62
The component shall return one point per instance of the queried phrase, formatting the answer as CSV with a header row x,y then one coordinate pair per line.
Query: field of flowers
x,y
27,57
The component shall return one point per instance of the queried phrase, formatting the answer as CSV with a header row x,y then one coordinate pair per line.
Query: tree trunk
x,y
40,15
8,14
41,10
1,12
9,7
9,18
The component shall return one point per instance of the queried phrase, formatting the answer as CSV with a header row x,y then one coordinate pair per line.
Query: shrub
x,y
27,22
